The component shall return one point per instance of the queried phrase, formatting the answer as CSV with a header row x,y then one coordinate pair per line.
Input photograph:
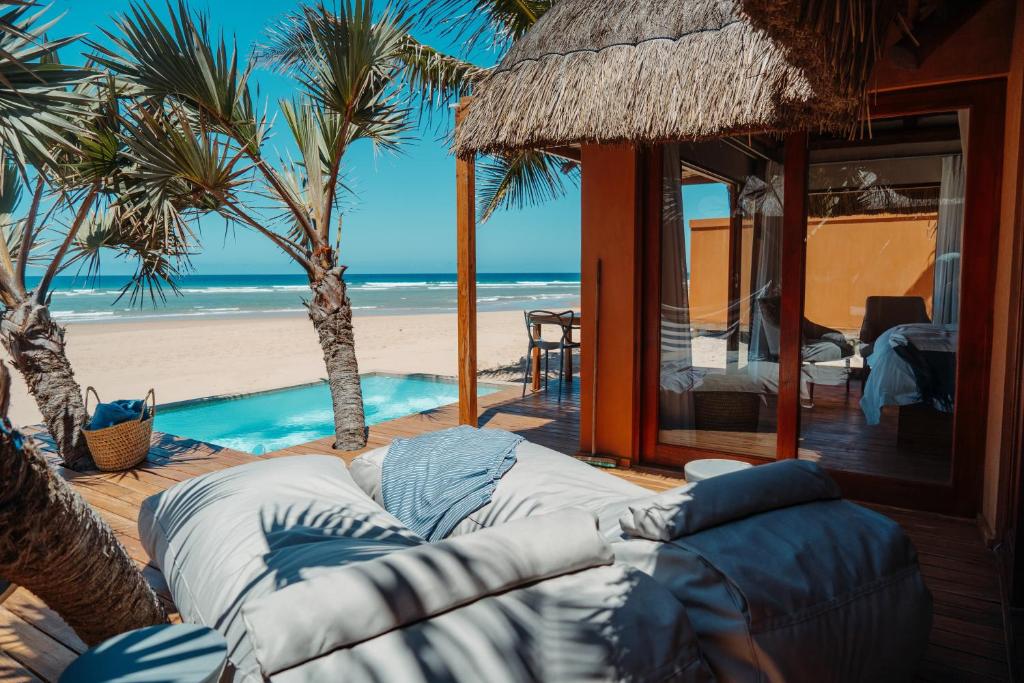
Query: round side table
x,y
699,470
178,653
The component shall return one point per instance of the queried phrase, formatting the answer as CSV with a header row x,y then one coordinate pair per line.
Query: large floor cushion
x,y
230,541
542,481
824,590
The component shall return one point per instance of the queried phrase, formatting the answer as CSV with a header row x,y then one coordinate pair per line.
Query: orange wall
x,y
709,271
848,260
1011,233
610,230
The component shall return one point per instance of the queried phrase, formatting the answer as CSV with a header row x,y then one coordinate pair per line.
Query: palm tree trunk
x,y
55,545
36,345
331,313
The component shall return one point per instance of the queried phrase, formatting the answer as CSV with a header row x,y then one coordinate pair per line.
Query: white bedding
x,y
891,381
228,540
839,579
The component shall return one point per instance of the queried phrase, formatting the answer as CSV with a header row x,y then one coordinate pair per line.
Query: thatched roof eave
x,y
647,71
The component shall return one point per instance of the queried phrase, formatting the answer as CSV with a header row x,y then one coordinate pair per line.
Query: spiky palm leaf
x,y
432,77
498,23
521,179
37,100
183,60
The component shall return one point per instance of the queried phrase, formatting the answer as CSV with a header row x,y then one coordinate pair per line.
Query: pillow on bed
x,y
540,482
228,537
711,502
299,623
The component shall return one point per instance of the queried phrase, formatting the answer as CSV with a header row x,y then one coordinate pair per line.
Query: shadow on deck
x,y
967,642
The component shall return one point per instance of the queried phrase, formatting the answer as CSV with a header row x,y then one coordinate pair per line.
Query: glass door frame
x,y
961,495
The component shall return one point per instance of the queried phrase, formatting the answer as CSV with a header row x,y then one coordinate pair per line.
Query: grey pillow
x,y
363,600
711,502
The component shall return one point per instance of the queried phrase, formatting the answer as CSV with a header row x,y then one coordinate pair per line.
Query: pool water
x,y
268,421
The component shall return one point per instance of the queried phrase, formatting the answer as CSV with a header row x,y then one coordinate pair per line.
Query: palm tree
x,y
358,74
109,205
54,544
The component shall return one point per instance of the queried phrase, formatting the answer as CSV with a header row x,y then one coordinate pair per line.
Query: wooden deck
x,y
967,641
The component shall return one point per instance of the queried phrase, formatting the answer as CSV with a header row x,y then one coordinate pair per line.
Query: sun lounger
x,y
309,579
782,582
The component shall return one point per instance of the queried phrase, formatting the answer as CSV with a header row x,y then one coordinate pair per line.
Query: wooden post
x,y
465,192
794,251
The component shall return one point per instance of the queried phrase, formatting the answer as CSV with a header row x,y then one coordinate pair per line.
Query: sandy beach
x,y
185,359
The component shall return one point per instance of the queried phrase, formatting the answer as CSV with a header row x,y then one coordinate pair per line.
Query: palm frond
x,y
182,60
37,98
492,23
160,257
521,179
430,75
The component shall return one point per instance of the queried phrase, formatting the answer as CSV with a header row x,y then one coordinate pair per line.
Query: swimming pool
x,y
267,421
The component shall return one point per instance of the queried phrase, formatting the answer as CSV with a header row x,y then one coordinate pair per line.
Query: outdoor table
x,y
178,653
537,321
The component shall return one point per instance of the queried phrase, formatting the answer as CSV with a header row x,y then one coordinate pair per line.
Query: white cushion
x,y
542,481
299,622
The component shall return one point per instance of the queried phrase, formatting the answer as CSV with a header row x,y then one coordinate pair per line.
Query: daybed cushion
x,y
229,538
718,500
541,481
824,590
298,623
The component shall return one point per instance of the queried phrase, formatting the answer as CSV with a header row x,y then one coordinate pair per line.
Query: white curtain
x,y
678,377
946,295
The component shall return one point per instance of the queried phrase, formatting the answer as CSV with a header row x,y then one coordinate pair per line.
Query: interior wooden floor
x,y
835,433
967,641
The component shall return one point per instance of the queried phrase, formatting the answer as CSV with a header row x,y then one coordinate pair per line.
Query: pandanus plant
x,y
358,74
62,136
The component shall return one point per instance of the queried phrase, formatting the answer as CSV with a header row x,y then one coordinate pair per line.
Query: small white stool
x,y
699,470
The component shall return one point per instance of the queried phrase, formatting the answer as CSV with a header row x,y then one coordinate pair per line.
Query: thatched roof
x,y
655,70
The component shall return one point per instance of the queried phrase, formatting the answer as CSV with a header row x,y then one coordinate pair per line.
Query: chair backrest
x,y
769,308
567,320
882,313
545,318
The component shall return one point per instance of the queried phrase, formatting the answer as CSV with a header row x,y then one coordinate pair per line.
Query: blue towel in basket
x,y
434,481
116,412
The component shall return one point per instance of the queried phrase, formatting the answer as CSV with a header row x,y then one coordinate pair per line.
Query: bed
x,y
897,375
309,579
820,589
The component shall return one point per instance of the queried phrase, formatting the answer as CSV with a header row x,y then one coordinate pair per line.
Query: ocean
x,y
225,296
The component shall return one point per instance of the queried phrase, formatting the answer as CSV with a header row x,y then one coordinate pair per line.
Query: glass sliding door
x,y
880,333
719,242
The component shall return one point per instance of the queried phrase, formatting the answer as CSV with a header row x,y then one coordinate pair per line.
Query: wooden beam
x,y
465,192
794,250
920,42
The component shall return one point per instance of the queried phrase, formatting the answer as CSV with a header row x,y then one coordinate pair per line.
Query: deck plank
x,y
967,643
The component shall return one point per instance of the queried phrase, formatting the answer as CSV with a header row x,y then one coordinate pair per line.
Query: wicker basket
x,y
121,446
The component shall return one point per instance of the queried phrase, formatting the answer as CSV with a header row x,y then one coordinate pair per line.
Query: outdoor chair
x,y
818,343
883,313
569,323
537,319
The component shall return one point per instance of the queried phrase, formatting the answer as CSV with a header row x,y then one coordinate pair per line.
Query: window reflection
x,y
882,284
721,235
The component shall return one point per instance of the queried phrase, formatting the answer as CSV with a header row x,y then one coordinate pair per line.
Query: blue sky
x,y
403,216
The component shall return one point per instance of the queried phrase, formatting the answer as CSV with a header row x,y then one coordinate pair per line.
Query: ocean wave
x,y
81,315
